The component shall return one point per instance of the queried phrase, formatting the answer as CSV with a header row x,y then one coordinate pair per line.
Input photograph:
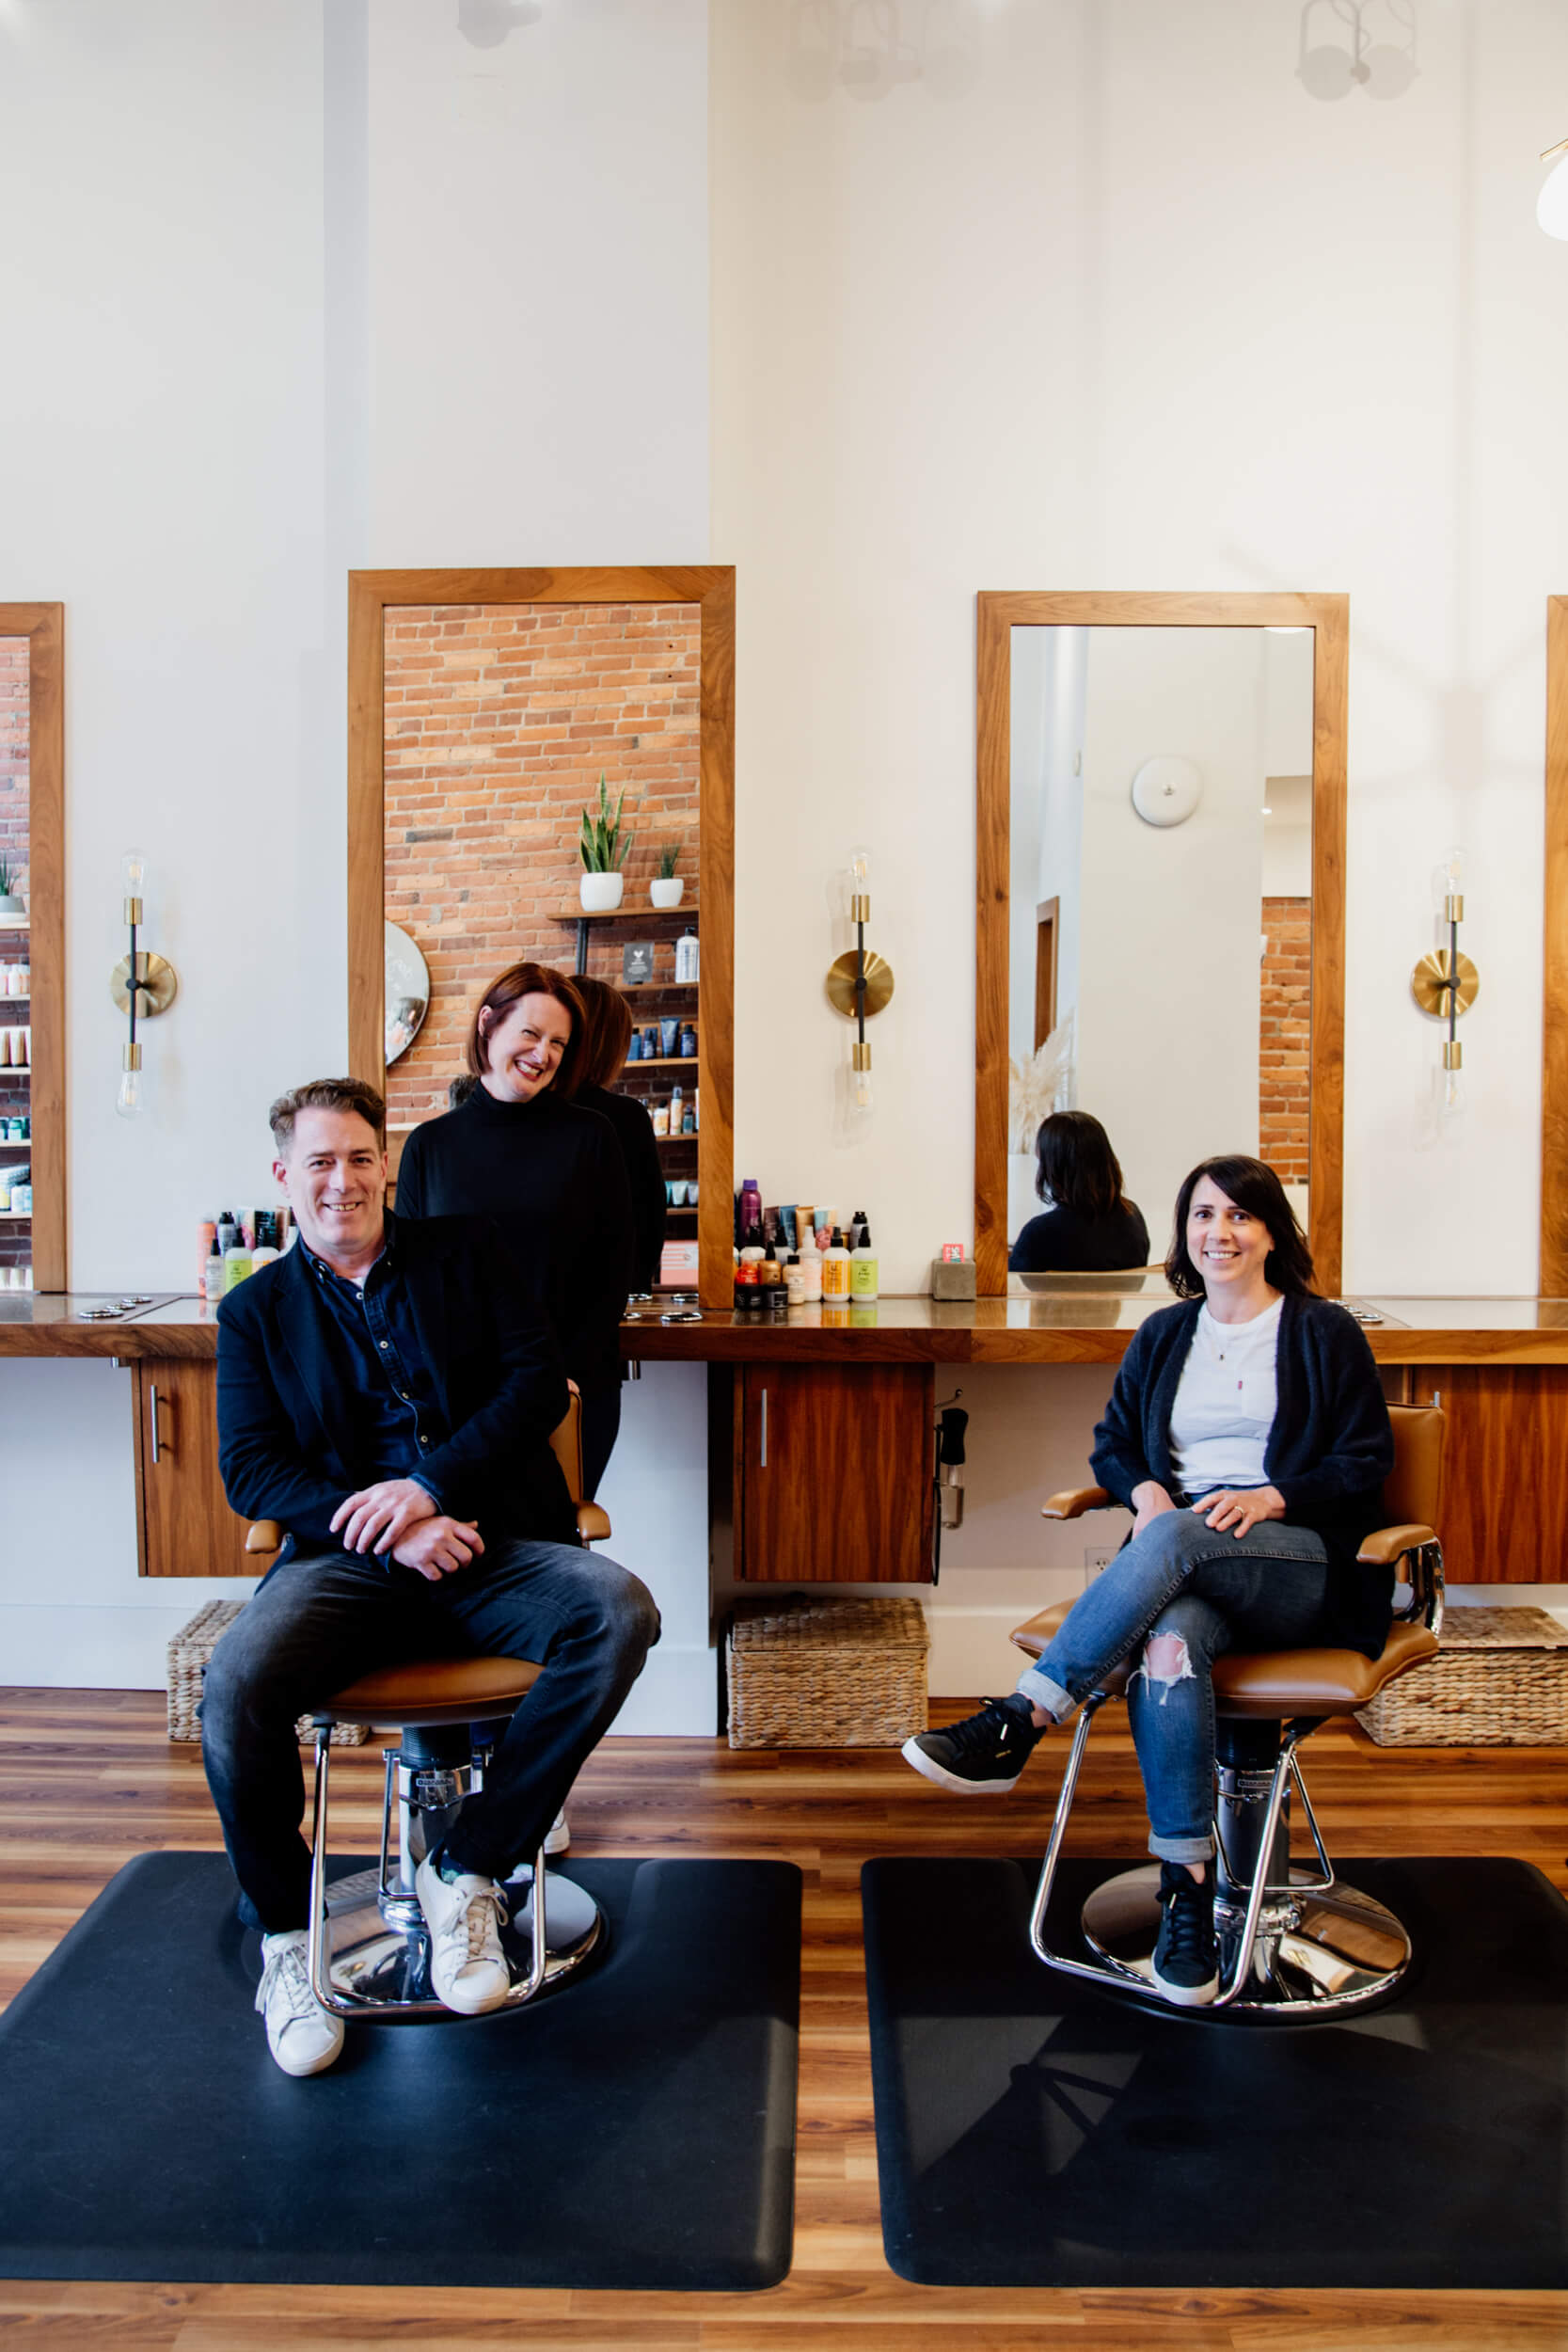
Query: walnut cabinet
x,y
833,1468
184,1524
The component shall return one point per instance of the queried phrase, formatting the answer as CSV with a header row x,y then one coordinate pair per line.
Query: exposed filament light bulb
x,y
128,1100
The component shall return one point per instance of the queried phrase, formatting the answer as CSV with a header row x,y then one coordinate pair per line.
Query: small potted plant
x,y
603,847
11,902
667,889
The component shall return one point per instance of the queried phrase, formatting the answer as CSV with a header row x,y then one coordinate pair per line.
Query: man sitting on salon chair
x,y
386,1393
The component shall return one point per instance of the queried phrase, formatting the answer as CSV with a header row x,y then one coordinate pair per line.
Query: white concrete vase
x,y
667,892
600,894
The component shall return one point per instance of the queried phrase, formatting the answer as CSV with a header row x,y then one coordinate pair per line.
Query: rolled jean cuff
x,y
1180,1848
1041,1691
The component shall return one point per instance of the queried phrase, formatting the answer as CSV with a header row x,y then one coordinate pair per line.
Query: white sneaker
x,y
303,2037
467,1966
557,1836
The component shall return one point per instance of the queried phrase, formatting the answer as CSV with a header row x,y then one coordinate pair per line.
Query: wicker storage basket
x,y
189,1651
1501,1680
826,1674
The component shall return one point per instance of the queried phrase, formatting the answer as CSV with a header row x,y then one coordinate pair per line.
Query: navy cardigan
x,y
1329,1450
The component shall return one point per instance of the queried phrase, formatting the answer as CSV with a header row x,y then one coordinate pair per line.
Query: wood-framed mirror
x,y
32,937
483,708
1552,1278
1129,770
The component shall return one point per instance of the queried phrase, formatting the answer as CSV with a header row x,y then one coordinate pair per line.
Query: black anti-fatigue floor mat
x,y
635,2129
1034,2131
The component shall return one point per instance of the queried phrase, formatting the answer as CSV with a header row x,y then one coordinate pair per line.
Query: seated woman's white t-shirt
x,y
1224,1404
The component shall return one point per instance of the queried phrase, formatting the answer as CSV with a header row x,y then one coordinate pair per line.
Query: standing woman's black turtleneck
x,y
553,1178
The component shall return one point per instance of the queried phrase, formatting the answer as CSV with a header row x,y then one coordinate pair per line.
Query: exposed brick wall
x,y
16,1245
499,719
1285,1038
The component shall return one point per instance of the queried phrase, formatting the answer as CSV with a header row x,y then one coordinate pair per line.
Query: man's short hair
x,y
327,1094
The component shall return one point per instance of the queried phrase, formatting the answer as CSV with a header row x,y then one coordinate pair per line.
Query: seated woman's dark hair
x,y
1259,1190
1075,1164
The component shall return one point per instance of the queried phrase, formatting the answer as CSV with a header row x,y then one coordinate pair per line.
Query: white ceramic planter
x,y
667,894
600,894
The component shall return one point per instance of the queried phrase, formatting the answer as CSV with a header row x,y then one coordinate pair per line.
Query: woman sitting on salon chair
x,y
1089,1226
1248,1434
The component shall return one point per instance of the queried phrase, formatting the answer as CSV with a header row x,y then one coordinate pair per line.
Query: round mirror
x,y
407,990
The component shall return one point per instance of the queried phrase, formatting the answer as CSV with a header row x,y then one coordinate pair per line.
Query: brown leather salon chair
x,y
1290,1942
369,1948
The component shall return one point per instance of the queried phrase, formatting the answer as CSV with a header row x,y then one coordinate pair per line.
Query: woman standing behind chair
x,y
1248,1434
605,1035
1089,1225
551,1176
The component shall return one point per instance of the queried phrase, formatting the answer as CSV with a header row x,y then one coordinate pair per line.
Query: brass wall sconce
x,y
859,983
1445,983
141,984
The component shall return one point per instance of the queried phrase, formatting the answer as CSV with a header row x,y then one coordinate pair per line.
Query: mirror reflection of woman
x,y
549,1173
1088,1225
1247,1434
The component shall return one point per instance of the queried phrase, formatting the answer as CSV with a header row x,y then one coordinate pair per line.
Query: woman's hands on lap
x,y
1238,1509
1148,1500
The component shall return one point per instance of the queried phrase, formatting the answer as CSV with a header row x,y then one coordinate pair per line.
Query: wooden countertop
x,y
1067,1324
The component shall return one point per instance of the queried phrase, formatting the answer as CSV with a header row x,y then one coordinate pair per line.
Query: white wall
x,y
1136,312
303,288
1172,916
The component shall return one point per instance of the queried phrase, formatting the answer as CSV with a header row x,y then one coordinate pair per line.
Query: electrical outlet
x,y
1096,1556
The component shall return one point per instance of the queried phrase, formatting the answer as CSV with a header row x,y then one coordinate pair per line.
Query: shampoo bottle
x,y
835,1269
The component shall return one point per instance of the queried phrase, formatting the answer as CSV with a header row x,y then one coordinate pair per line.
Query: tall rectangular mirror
x,y
1160,908
485,708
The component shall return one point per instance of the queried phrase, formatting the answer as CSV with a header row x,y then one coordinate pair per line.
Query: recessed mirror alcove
x,y
1160,917
483,707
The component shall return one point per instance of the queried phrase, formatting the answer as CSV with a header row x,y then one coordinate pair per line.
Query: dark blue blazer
x,y
1329,1450
285,1432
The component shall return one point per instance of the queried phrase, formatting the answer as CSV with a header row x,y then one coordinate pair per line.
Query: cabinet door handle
x,y
158,1448
761,1460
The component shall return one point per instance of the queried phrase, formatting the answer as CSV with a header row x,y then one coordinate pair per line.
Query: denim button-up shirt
x,y
381,1369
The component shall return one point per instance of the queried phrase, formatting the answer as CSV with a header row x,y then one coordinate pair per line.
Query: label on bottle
x,y
836,1277
863,1277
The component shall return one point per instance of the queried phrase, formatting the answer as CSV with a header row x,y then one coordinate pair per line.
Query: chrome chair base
x,y
1317,1951
377,1962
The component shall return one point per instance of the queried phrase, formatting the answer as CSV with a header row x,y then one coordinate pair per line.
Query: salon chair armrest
x,y
265,1535
1074,1501
1386,1545
592,1523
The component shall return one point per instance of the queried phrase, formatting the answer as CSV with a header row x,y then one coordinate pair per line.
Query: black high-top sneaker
x,y
1187,1956
984,1754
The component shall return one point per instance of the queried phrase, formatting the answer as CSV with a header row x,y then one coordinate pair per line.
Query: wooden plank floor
x,y
88,1779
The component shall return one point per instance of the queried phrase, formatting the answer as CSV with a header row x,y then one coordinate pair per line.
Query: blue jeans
x,y
322,1619
1214,1591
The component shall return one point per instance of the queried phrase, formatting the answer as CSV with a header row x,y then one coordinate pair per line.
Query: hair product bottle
x,y
835,1269
863,1267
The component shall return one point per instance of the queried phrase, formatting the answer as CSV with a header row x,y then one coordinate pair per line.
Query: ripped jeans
x,y
1212,1592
